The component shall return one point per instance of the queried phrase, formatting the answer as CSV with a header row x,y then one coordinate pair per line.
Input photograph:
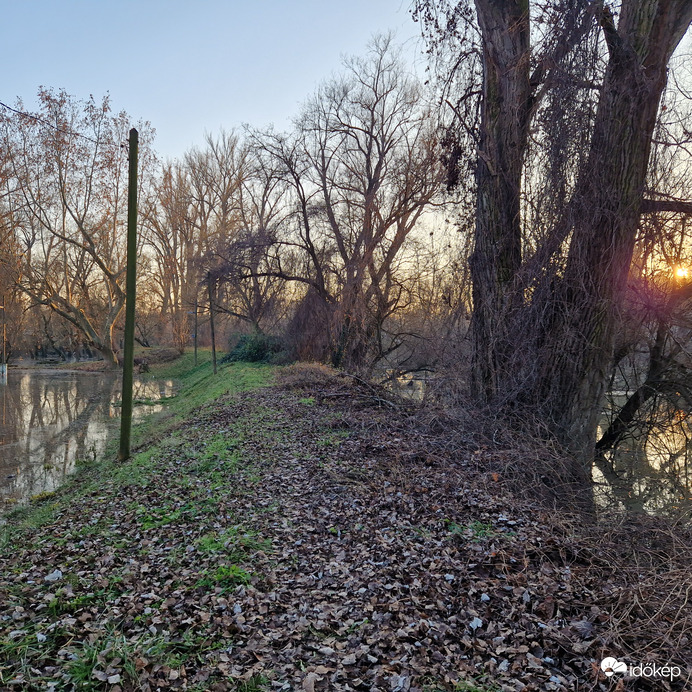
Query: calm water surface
x,y
651,474
49,419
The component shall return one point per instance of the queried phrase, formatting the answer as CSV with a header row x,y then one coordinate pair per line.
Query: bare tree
x,y
12,304
173,243
363,164
195,212
68,172
251,260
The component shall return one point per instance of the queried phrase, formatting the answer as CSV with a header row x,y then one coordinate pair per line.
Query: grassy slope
x,y
95,579
44,533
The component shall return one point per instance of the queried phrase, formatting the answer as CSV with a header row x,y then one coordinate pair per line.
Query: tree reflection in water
x,y
650,470
50,420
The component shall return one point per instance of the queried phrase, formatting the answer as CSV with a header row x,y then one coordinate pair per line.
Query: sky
x,y
192,66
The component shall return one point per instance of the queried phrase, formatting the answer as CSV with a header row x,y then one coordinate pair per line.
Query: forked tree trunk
x,y
577,354
98,337
575,315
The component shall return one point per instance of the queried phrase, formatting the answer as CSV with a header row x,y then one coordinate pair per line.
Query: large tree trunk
x,y
563,330
573,365
504,130
350,333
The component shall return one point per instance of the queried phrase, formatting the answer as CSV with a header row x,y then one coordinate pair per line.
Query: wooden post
x,y
211,322
130,291
3,365
196,322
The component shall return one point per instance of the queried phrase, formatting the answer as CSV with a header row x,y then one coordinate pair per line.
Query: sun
x,y
682,272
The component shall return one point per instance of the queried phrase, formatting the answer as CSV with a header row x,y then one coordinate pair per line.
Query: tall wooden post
x,y
3,365
130,290
196,322
211,322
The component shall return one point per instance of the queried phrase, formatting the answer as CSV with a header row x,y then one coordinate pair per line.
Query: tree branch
x,y
655,206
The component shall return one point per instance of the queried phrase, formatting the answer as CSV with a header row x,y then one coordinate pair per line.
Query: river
x,y
650,471
51,419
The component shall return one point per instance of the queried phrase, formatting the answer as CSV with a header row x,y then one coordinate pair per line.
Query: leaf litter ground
x,y
317,539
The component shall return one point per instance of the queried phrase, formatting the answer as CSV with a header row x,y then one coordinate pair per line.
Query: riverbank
x,y
148,356
318,535
53,418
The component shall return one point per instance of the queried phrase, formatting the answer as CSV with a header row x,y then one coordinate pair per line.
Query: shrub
x,y
161,355
257,348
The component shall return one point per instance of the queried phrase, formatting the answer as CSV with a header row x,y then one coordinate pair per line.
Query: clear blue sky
x,y
190,66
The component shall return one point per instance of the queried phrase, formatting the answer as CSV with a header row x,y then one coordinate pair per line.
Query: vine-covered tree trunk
x,y
574,363
560,335
504,129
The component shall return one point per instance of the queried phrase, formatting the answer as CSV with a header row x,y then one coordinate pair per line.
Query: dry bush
x,y
307,333
638,570
653,606
326,383
629,576
308,376
162,355
645,561
519,448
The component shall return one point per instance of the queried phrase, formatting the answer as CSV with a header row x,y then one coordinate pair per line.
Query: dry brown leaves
x,y
378,557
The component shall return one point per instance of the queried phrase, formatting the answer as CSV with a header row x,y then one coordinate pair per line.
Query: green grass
x,y
87,656
476,531
189,646
160,516
236,543
111,647
257,683
23,647
220,451
225,577
197,386
333,438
